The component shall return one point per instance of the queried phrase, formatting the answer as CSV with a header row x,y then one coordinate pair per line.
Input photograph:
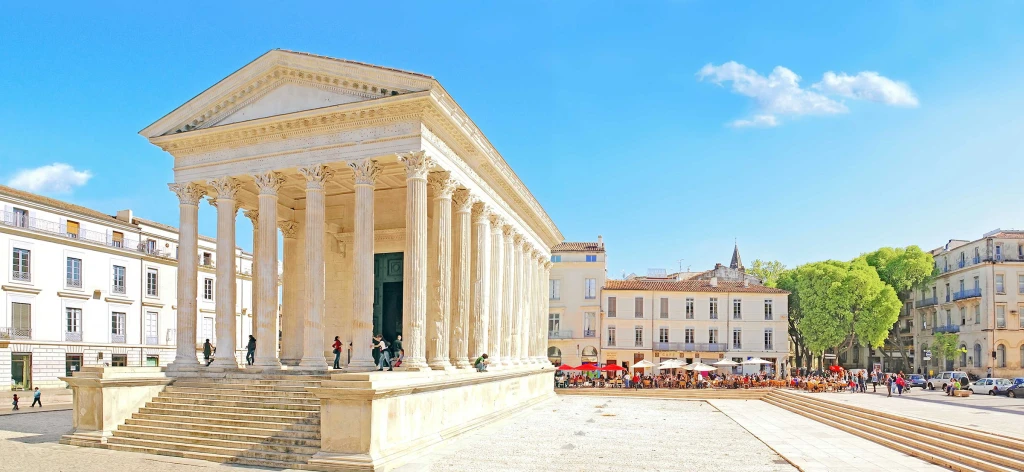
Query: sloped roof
x,y
577,247
60,204
688,286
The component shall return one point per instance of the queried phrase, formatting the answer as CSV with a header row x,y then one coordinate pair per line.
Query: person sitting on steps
x,y
481,363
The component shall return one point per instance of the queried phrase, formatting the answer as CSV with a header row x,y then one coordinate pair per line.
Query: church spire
x,y
736,262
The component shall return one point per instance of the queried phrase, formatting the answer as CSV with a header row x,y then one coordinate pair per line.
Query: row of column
x,y
482,283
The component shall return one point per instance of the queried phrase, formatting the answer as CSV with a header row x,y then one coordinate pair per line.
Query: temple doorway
x,y
387,295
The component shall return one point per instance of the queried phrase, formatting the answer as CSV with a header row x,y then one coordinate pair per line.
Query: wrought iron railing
x,y
73,336
930,301
589,333
152,340
946,329
967,293
560,334
22,275
95,237
120,289
15,333
117,338
74,283
703,347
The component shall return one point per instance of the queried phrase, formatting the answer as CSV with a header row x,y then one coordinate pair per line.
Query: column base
x,y
440,364
290,362
313,363
271,362
360,365
177,366
463,363
223,363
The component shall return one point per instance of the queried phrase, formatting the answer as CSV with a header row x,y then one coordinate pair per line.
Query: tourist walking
x,y
337,352
207,352
874,382
37,397
397,353
385,355
250,351
863,381
15,402
889,384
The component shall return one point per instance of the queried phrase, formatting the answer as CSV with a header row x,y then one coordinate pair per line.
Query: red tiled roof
x,y
1009,235
577,247
688,286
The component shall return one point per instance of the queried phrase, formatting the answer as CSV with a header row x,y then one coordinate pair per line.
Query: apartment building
x,y
578,272
85,288
978,294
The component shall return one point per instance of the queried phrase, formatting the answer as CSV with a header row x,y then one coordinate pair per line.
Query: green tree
x,y
767,271
905,270
946,346
788,281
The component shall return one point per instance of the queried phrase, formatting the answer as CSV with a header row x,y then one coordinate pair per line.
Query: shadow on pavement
x,y
44,427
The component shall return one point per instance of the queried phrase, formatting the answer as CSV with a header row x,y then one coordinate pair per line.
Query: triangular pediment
x,y
282,82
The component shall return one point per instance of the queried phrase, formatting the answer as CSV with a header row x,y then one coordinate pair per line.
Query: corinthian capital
x,y
366,171
463,200
288,228
226,187
496,221
254,216
188,192
417,164
442,184
268,182
508,231
316,175
481,213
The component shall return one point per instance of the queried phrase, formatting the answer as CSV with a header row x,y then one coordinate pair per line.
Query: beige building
x,y
578,273
978,294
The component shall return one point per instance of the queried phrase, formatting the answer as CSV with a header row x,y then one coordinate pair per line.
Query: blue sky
x,y
600,107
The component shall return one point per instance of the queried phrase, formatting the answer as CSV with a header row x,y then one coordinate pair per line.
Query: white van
x,y
942,379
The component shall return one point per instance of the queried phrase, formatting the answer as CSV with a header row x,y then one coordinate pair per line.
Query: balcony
x,y
152,340
906,330
73,337
932,301
22,275
15,333
74,283
54,228
967,293
119,289
560,334
589,333
976,260
117,338
702,347
946,329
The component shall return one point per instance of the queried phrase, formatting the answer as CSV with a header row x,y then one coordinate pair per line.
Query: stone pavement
x,y
993,414
813,446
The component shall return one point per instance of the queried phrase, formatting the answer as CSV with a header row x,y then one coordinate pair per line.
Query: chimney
x,y
600,241
746,283
714,281
124,215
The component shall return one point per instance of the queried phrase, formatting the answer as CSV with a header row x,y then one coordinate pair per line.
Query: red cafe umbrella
x,y
587,367
612,368
566,367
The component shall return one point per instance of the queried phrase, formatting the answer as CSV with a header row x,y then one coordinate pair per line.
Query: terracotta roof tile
x,y
688,286
54,203
577,247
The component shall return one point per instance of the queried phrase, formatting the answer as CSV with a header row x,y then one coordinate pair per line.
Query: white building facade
x,y
578,272
83,288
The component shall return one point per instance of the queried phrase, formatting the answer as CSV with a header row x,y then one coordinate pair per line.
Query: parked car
x,y
916,380
1016,389
942,379
991,386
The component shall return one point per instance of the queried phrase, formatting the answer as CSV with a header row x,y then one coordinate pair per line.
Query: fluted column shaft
x,y
478,319
313,327
225,296
440,270
544,308
291,311
366,173
526,313
414,284
508,295
188,270
517,300
254,295
266,279
458,349
497,285
541,330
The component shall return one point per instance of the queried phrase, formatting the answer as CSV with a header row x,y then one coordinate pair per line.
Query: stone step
x,y
284,438
254,381
279,416
934,450
238,386
250,403
230,452
303,394
241,410
304,424
237,427
189,440
153,449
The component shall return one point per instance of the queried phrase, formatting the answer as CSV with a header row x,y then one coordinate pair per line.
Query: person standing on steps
x,y
385,355
337,352
37,398
207,352
250,350
396,351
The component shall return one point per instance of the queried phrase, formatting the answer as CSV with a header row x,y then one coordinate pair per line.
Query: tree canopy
x,y
903,269
946,345
767,271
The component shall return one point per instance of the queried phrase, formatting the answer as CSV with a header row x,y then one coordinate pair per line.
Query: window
x,y
737,338
119,360
1001,356
591,258
207,259
1020,283
119,280
713,308
556,258
713,335
74,273
553,324
152,285
662,335
737,309
208,328
117,327
21,259
999,253
612,306
117,239
207,289
977,314
664,307
72,229
638,307
611,336
689,308
590,290
72,364
1000,316
977,355
152,325
768,315
73,324
151,246
589,324
638,336
963,315
555,289
1022,355
1000,288
21,218
21,320
768,338
961,285
688,336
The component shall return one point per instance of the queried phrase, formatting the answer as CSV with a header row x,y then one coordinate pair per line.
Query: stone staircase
x,y
268,422
961,449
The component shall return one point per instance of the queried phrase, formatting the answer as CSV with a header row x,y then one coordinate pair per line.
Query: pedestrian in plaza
x,y
888,385
337,352
15,402
397,353
37,397
874,382
250,351
863,381
385,355
900,383
207,352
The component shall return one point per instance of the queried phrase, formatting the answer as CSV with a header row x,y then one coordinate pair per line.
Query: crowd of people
x,y
681,379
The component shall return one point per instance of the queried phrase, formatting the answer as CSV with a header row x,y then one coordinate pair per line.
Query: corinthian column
x,y
266,282
519,294
458,333
478,318
366,172
414,285
313,326
544,308
497,285
440,271
509,330
188,270
540,334
528,310
227,188
254,298
291,313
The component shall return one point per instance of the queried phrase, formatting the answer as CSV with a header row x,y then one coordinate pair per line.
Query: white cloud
x,y
867,86
54,178
780,94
